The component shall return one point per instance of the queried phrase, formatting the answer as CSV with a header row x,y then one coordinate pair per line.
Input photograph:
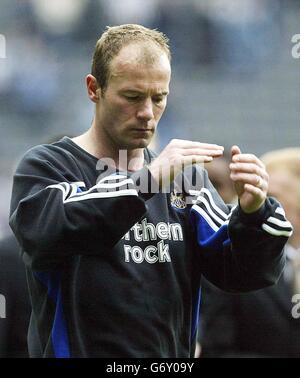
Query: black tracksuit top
x,y
115,272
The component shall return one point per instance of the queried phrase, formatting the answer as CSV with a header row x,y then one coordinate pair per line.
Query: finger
x,y
235,150
211,146
248,178
191,144
195,159
247,158
248,168
255,191
203,152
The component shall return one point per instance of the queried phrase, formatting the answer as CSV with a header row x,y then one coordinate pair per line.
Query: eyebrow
x,y
164,93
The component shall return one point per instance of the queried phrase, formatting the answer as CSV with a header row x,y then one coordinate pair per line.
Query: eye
x,y
158,100
132,97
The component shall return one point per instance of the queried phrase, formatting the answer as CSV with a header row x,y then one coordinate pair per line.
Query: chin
x,y
142,143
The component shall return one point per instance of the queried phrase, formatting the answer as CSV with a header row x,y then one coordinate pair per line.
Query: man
x,y
114,262
262,323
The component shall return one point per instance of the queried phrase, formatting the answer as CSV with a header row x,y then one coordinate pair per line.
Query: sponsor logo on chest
x,y
157,252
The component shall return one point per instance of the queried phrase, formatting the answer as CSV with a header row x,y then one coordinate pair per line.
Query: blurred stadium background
x,y
234,78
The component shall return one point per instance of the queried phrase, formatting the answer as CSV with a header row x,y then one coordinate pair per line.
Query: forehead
x,y
139,63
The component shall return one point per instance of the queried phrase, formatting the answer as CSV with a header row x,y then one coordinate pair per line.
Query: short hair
x,y
287,159
287,162
114,39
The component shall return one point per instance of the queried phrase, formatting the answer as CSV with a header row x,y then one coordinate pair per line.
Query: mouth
x,y
143,130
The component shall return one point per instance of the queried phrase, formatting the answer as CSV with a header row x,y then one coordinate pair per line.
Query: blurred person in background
x,y
13,286
244,34
132,11
261,324
190,31
113,267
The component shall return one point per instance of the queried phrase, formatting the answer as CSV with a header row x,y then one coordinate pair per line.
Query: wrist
x,y
253,217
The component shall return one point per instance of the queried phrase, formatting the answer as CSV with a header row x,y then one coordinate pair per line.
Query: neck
x,y
96,143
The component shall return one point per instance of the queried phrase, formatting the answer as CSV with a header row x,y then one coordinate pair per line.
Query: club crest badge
x,y
178,200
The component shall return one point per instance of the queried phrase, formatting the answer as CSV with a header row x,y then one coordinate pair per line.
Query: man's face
x,y
135,98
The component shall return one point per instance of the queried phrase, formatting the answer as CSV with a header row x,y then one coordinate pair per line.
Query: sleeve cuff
x,y
255,218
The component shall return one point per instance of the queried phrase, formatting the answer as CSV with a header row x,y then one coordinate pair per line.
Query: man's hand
x,y
250,179
179,154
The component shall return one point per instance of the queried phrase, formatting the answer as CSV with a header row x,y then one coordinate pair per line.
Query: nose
x,y
145,111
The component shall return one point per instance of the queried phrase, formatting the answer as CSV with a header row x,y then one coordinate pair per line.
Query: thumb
x,y
235,150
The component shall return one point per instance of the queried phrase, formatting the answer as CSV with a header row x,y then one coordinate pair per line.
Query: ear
x,y
93,89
